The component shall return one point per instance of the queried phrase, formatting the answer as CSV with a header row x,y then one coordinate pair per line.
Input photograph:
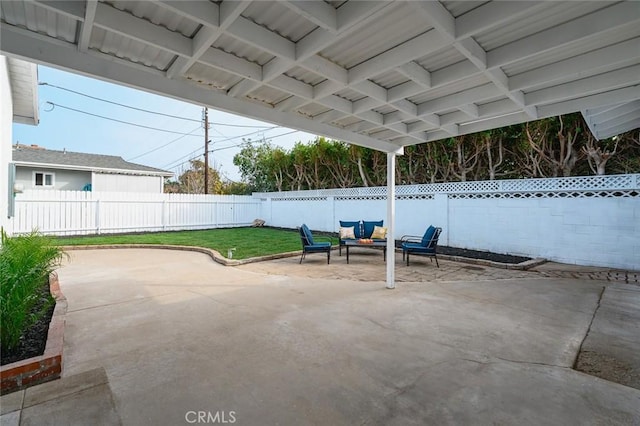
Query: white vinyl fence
x,y
81,212
591,220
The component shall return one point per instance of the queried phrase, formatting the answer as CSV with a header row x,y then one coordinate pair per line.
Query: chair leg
x,y
436,257
328,255
339,249
407,258
301,257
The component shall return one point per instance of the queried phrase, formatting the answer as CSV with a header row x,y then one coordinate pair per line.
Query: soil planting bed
x,y
34,340
484,255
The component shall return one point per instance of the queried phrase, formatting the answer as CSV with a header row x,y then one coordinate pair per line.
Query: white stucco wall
x,y
67,180
6,119
127,183
599,230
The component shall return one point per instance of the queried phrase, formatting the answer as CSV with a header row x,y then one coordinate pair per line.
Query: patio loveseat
x,y
361,229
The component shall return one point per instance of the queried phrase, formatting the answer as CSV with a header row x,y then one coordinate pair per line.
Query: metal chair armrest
x,y
411,238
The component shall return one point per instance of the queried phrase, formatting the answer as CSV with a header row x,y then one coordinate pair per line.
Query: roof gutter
x,y
93,169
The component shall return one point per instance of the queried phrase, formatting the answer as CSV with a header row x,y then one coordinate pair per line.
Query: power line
x,y
170,165
116,120
238,144
162,146
217,149
145,110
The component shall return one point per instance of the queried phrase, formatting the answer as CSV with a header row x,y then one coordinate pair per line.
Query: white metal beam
x,y
492,15
87,25
416,73
592,25
222,16
464,97
612,97
203,12
587,63
46,50
127,25
421,45
353,15
318,12
70,9
586,86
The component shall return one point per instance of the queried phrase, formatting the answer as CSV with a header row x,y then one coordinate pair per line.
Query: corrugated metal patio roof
x,y
381,74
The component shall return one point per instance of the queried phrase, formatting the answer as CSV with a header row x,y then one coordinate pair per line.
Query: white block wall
x,y
584,221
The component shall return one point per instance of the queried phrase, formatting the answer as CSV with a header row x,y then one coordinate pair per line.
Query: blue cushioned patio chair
x,y
423,246
310,246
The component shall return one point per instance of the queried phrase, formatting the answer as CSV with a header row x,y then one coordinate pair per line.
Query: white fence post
x,y
98,216
164,215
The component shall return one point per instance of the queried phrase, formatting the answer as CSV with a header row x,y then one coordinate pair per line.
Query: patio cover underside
x,y
380,74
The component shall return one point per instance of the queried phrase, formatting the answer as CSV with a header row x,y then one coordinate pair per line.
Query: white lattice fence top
x,y
582,183
546,185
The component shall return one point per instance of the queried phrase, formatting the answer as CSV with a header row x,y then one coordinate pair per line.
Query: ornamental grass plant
x,y
25,264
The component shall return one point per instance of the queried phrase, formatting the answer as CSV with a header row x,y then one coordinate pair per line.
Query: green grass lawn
x,y
248,242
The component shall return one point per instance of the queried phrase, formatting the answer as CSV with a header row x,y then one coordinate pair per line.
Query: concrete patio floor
x,y
161,337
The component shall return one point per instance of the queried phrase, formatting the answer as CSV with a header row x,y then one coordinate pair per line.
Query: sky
x,y
63,128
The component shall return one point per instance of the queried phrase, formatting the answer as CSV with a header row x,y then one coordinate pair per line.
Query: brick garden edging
x,y
48,366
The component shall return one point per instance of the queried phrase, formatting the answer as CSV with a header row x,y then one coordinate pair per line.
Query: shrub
x,y
25,264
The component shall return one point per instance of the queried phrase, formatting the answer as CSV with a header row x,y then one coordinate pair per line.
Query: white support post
x,y
391,219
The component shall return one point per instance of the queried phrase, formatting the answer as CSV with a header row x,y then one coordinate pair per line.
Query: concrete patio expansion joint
x,y
586,334
121,302
213,299
515,361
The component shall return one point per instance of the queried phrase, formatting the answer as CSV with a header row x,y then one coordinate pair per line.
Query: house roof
x,y
24,91
381,74
36,156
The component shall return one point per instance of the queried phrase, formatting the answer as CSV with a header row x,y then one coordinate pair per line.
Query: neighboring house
x,y
40,168
18,104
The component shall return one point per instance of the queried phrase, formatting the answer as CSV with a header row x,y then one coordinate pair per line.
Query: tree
x,y
558,146
495,154
467,152
554,141
253,162
599,154
230,187
191,181
335,157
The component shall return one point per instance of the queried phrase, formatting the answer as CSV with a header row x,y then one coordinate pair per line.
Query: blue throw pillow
x,y
428,235
356,227
368,227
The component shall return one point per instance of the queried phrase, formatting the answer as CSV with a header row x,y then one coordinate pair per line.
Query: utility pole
x,y
206,150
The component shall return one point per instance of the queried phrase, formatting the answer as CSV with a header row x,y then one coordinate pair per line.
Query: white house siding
x,y
68,180
6,119
127,183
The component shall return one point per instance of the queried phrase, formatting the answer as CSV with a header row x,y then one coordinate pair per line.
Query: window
x,y
43,179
